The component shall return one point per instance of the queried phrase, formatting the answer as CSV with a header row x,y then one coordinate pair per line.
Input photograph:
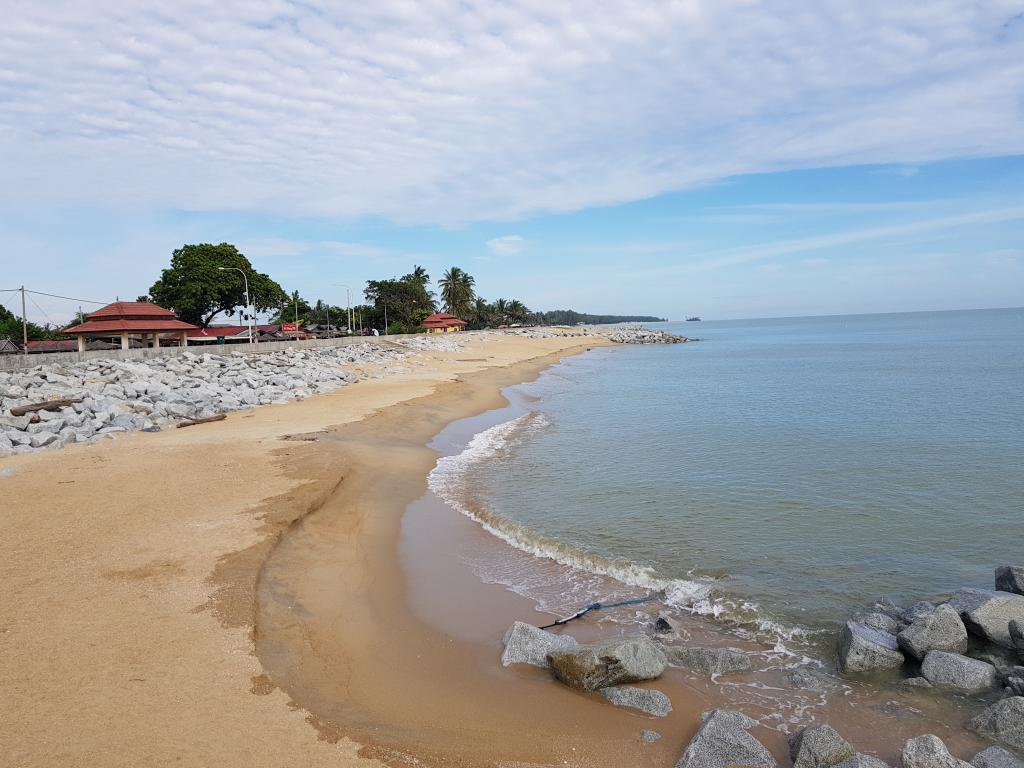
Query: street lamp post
x,y
348,301
249,318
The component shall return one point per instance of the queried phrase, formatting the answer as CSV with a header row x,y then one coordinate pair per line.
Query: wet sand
x,y
129,570
428,685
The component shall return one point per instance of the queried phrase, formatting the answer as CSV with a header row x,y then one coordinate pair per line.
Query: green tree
x,y
196,288
400,299
516,312
457,292
10,328
293,306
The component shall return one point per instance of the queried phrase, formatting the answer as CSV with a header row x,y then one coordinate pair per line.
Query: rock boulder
x,y
708,661
863,761
987,614
929,752
1010,578
863,649
1004,722
960,673
525,644
592,667
819,747
996,757
652,702
940,630
722,740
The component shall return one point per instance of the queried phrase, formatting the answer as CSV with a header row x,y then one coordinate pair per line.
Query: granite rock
x,y
863,649
649,701
525,644
1004,722
929,752
987,613
940,630
1010,578
708,661
996,757
960,673
819,747
592,667
722,740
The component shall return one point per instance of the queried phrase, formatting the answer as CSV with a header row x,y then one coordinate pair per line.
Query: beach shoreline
x,y
246,580
123,639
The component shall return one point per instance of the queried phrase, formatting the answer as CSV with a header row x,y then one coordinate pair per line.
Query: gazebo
x,y
125,319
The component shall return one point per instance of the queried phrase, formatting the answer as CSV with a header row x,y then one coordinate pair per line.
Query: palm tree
x,y
501,311
517,311
457,292
483,313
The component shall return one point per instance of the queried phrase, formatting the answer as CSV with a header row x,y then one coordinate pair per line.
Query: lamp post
x,y
348,301
246,280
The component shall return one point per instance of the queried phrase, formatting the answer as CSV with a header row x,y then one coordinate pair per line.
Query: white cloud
x,y
507,245
453,111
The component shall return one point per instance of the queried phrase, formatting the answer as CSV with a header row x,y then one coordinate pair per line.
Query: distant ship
x,y
693,319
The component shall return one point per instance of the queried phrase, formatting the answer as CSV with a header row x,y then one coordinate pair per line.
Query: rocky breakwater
x,y
970,645
104,397
640,336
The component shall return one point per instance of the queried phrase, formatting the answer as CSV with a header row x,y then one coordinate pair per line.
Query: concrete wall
x,y
19,362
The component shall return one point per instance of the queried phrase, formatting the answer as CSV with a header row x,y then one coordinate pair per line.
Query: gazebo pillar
x,y
124,340
156,341
184,338
81,342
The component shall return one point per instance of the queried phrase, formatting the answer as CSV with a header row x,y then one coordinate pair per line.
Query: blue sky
x,y
725,159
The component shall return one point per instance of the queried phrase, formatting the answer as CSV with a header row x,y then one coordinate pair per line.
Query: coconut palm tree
x,y
517,311
457,292
501,311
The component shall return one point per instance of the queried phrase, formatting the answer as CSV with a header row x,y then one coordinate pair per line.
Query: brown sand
x,y
141,575
128,570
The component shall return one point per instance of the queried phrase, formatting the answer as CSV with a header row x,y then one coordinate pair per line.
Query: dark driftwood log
x,y
204,420
49,405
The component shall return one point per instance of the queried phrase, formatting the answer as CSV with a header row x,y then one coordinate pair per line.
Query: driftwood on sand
x,y
204,420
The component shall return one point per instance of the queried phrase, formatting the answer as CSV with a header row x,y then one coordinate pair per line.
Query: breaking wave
x,y
453,482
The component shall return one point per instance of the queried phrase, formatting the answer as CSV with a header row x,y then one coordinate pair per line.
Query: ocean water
x,y
779,475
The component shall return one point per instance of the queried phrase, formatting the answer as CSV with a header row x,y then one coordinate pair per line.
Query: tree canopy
x,y
10,328
457,292
196,289
407,300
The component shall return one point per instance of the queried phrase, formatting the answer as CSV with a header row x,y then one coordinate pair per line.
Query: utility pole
x,y
24,322
385,318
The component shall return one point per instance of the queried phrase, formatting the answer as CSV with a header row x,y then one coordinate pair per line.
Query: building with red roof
x,y
442,322
127,319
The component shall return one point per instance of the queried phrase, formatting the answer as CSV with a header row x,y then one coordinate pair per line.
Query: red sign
x,y
289,326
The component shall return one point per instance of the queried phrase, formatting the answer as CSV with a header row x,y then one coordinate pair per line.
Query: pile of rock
x,y
639,336
609,667
722,740
972,643
122,395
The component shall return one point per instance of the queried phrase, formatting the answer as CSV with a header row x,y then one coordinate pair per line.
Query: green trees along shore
x,y
204,285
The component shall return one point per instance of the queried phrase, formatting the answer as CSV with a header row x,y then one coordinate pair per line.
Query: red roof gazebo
x,y
442,322
125,319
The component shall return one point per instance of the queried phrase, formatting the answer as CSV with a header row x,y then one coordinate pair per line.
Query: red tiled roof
x,y
131,316
131,309
443,320
116,326
53,345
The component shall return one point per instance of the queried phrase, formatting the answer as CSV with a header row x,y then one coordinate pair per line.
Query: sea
x,y
775,476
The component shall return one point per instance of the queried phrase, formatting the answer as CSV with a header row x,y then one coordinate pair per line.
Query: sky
x,y
727,158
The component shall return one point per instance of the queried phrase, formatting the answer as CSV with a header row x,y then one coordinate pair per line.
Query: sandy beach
x,y
130,567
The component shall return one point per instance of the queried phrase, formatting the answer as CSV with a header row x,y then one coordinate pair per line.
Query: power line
x,y
69,298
